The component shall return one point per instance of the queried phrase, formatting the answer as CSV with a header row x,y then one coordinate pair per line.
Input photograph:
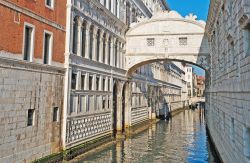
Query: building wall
x,y
13,17
228,90
96,66
29,86
30,91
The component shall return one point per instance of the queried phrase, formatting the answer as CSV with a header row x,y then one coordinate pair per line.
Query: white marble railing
x,y
85,127
139,115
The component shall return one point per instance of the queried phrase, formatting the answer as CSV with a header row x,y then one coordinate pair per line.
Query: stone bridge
x,y
167,36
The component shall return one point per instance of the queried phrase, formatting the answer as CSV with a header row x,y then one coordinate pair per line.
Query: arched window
x,y
75,35
109,52
91,39
115,54
84,39
98,45
104,48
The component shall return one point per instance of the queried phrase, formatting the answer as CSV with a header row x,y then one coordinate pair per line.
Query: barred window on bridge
x,y
183,41
150,41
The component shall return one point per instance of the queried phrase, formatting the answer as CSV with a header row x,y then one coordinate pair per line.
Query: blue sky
x,y
197,7
184,7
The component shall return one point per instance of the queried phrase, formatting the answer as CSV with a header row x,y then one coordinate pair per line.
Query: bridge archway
x,y
167,36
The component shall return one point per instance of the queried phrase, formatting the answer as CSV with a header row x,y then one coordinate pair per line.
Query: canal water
x,y
183,138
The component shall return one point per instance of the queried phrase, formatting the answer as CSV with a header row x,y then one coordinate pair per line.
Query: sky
x,y
198,8
184,7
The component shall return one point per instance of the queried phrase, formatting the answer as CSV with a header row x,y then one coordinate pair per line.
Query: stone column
x,y
112,6
128,106
107,4
94,49
78,80
87,39
79,41
118,9
101,47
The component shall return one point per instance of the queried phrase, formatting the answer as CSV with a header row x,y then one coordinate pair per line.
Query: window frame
x,y
52,4
32,42
55,118
33,117
50,46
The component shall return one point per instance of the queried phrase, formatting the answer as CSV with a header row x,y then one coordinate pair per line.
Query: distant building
x,y
189,79
200,86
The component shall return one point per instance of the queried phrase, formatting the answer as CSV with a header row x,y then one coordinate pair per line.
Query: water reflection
x,y
181,139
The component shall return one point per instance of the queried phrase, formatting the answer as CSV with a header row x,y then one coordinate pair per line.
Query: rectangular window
x,y
30,117
49,3
97,83
150,41
246,139
28,42
73,81
90,82
108,84
247,41
82,81
103,84
232,129
83,104
91,103
103,102
55,114
47,48
183,41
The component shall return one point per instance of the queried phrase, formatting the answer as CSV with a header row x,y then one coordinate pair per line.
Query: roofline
x,y
165,4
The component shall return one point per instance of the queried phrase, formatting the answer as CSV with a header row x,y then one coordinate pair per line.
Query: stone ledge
x,y
29,66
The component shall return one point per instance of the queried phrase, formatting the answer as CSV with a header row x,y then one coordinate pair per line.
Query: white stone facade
x,y
228,97
96,81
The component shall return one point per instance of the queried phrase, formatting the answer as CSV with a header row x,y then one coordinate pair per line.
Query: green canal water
x,y
183,138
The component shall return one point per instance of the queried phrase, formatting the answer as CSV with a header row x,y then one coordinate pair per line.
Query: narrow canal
x,y
181,139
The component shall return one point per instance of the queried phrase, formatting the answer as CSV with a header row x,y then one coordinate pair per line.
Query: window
x,y
247,41
30,117
183,41
150,41
28,42
103,84
55,114
246,138
91,39
75,35
97,83
98,37
83,104
73,81
82,81
49,3
47,48
232,130
90,82
103,102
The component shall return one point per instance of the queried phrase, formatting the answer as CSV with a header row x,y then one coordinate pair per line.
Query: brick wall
x,y
12,30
